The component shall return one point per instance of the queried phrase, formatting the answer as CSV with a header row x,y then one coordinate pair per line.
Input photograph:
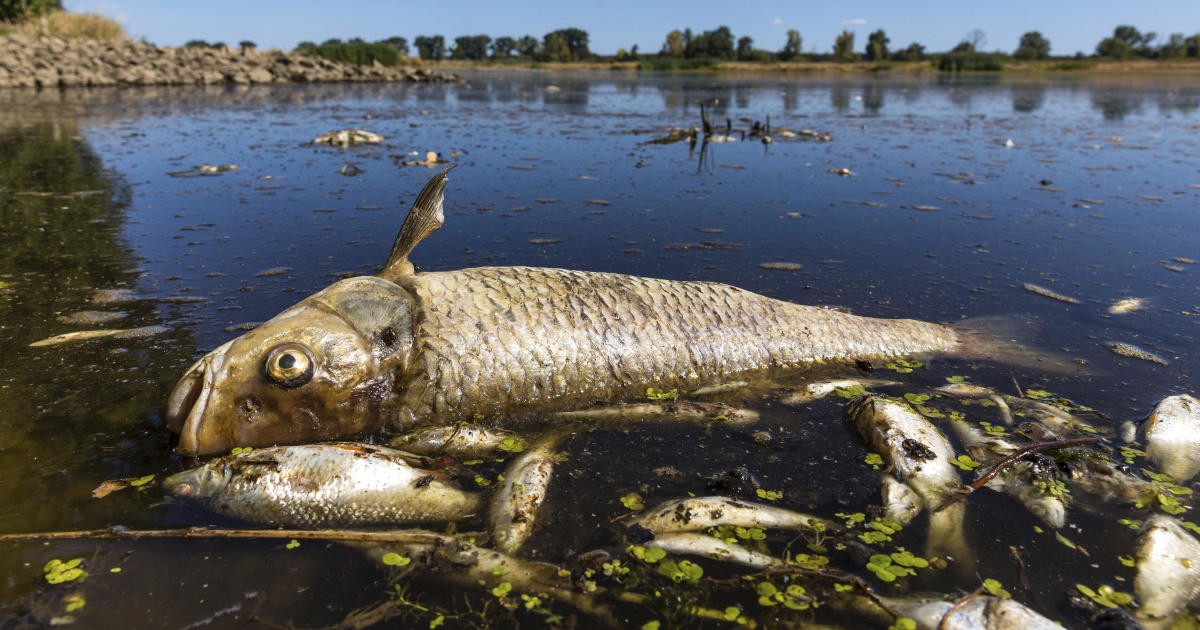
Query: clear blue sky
x,y
1070,25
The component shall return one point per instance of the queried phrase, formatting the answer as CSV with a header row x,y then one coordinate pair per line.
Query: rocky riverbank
x,y
29,61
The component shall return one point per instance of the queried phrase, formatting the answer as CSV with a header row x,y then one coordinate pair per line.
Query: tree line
x,y
720,44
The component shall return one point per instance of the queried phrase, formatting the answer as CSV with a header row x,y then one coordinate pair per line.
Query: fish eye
x,y
289,365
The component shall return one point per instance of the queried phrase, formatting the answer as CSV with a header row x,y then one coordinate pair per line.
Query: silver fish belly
x,y
322,485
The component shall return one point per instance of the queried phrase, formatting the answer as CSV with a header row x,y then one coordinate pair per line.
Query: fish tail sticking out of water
x,y
404,349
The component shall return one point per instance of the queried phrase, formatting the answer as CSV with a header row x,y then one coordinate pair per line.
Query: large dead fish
x,y
402,349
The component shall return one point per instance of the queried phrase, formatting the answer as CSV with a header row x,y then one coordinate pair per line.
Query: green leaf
x,y
874,460
916,399
651,625
141,481
955,379
632,501
994,587
502,589
393,559
292,544
965,462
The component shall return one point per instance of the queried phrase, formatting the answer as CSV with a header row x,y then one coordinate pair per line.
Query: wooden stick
x,y
1009,461
409,536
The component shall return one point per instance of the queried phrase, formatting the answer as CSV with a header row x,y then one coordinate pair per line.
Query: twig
x,y
959,604
1009,461
401,536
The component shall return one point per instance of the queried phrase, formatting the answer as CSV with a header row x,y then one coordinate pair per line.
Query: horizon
x,y
1071,27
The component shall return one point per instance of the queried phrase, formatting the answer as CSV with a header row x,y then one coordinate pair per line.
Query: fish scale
x,y
490,339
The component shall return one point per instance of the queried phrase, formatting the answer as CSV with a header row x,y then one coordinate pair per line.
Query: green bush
x,y
16,10
356,52
967,61
668,64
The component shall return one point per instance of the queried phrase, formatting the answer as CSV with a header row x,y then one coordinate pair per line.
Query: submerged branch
x,y
1001,465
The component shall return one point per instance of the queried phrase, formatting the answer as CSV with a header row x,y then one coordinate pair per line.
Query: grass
x,y
72,25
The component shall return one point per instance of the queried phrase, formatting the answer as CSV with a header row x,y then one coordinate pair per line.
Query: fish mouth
x,y
188,402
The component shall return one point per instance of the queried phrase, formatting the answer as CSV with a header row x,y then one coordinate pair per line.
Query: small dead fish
x,y
1030,481
92,318
348,138
322,485
1044,292
967,390
459,439
699,513
1127,305
1172,436
706,546
513,514
974,613
1168,571
1059,421
820,389
89,335
781,266
900,502
1133,352
919,455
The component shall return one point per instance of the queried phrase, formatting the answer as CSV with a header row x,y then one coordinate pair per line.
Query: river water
x,y
955,193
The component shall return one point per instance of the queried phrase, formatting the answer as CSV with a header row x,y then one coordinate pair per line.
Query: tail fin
x,y
998,339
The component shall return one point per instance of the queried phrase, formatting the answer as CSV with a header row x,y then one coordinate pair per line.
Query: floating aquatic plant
x,y
1106,596
61,572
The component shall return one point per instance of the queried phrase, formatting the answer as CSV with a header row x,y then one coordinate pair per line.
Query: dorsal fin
x,y
423,219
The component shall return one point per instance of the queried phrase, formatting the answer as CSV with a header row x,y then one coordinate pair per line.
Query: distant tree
x,y
575,41
399,43
503,47
633,52
1174,47
877,46
430,47
473,47
527,46
1193,45
914,52
306,48
15,10
196,43
1032,47
843,46
1126,41
745,48
554,47
977,38
674,45
791,49
246,45
716,44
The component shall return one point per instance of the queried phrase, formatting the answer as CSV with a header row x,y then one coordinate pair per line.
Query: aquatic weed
x,y
1106,596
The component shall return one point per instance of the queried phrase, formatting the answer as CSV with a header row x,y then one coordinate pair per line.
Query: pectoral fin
x,y
423,219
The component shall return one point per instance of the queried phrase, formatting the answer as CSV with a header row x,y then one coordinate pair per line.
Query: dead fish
x,y
674,411
1127,305
515,506
1134,352
1031,481
706,546
461,439
982,612
919,455
1168,571
820,389
1044,292
348,138
1172,436
405,349
92,318
89,335
322,485
967,390
700,513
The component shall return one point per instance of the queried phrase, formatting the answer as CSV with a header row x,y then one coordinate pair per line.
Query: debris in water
x,y
1134,352
113,296
273,271
1044,292
88,335
350,170
703,245
844,172
1127,305
348,138
781,266
92,318
431,158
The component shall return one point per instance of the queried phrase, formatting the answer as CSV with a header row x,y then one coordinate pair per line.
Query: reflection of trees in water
x,y
839,96
1117,104
872,96
1028,98
61,216
685,98
1182,100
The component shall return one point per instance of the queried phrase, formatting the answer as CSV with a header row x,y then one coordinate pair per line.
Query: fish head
x,y
325,368
201,482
